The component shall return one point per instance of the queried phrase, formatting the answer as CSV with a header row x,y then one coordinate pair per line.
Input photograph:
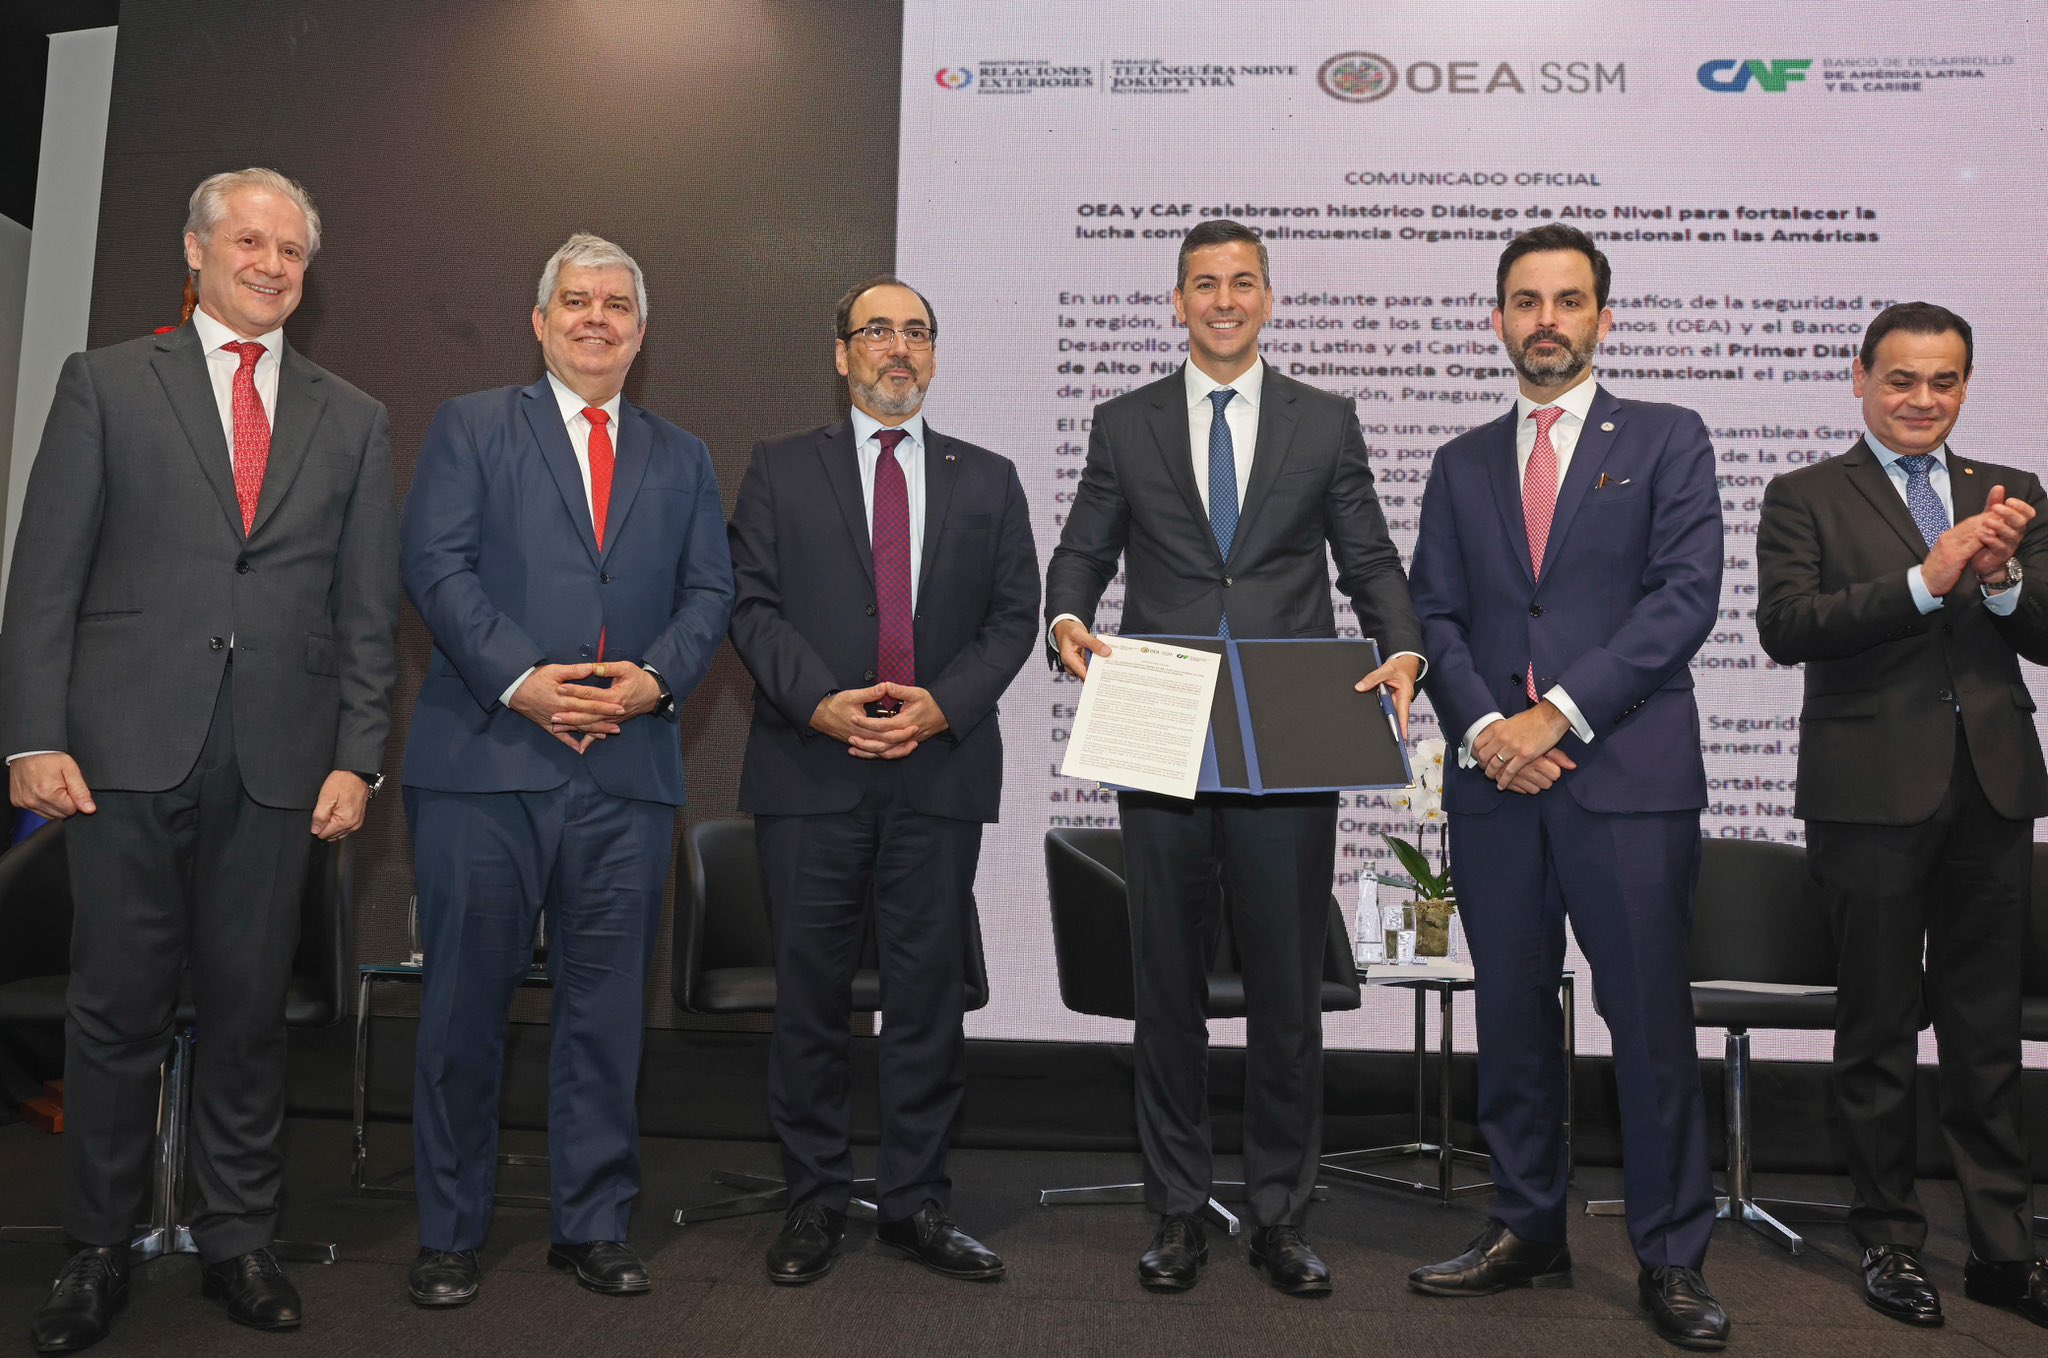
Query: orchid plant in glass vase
x,y
1435,901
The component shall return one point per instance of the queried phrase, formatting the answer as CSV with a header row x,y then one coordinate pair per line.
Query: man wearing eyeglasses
x,y
887,594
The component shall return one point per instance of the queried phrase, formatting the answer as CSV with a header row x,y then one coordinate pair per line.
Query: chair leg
x,y
1220,1192
764,1193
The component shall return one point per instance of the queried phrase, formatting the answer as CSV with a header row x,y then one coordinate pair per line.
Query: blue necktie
x,y
1222,483
1921,500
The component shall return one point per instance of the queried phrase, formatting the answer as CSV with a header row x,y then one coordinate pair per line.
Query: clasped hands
x,y
578,714
1521,753
1983,543
844,717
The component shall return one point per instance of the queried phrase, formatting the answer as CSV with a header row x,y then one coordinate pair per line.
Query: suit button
x,y
604,578
583,651
1535,610
1515,679
215,643
241,568
1946,696
1948,629
1227,582
871,610
869,677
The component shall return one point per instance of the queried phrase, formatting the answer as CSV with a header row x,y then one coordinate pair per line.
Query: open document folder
x,y
1283,716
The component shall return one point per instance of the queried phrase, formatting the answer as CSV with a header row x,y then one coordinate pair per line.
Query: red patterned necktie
x,y
1539,502
601,464
252,432
896,648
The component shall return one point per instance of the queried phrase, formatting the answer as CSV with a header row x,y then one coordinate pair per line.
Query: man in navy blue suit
x,y
567,551
1567,569
888,594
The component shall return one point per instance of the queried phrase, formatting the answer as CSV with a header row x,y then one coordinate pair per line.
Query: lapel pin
x,y
1607,427
952,457
1969,471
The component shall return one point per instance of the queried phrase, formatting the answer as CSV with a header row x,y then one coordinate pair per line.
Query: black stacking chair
x,y
1091,936
1756,920
35,967
725,964
2034,988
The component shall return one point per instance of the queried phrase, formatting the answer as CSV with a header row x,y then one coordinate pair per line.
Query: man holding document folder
x,y
1218,488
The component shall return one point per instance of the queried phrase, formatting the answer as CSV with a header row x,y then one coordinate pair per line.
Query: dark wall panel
x,y
743,150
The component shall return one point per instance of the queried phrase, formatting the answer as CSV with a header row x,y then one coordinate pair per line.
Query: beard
x,y
877,396
1551,370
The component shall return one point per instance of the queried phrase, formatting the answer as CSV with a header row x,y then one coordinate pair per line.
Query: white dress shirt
x,y
222,364
910,457
2002,601
573,419
1564,441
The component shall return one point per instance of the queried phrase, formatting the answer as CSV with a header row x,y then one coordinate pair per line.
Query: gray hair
x,y
586,251
210,201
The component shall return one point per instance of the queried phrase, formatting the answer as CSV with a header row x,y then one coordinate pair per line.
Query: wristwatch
x,y
2012,577
375,780
667,703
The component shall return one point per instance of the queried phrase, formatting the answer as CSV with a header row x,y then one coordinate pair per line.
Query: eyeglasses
x,y
879,336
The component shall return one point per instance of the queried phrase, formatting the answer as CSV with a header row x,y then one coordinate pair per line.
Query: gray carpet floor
x,y
1071,1288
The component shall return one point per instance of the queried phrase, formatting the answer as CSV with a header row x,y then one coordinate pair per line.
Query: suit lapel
x,y
629,469
1867,474
941,469
551,435
181,367
299,403
1968,488
1604,421
1506,479
840,465
1277,418
1170,433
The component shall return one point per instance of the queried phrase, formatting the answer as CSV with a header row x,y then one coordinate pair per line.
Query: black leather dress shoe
x,y
1291,1264
1682,1309
443,1278
932,1240
1495,1261
2022,1285
253,1290
606,1266
82,1302
1894,1284
1174,1263
808,1245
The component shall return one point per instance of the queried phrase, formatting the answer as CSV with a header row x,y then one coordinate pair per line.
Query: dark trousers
x,y
1956,888
1625,882
1274,858
485,865
200,876
822,874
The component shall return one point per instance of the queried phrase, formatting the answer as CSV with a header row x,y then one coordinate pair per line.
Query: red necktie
x,y
1539,502
252,432
896,648
601,462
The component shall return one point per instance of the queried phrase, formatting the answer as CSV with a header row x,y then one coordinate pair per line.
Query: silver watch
x,y
2012,577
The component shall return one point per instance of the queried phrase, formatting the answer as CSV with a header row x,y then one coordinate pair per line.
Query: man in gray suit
x,y
199,653
1226,488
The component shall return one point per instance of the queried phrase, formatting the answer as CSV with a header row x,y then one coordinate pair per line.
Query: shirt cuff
x,y
505,698
1923,598
1562,701
1465,759
2006,600
26,753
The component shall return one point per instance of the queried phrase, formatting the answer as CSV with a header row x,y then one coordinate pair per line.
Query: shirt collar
x,y
1249,386
865,425
1577,402
212,335
573,405
1888,459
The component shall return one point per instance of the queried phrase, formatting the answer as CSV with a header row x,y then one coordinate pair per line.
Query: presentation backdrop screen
x,y
1763,177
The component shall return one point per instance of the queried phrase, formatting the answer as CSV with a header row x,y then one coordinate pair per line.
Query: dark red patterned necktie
x,y
252,431
601,463
896,648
